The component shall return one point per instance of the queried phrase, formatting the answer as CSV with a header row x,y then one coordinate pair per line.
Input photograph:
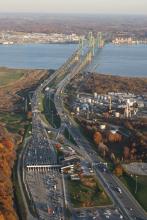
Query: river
x,y
116,60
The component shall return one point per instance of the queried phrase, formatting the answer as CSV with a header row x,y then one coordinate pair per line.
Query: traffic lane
x,y
137,211
131,206
61,83
127,199
97,214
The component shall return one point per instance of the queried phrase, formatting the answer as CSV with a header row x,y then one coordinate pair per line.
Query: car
x,y
118,190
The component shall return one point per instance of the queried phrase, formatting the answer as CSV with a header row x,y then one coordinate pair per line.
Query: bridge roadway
x,y
41,175
125,201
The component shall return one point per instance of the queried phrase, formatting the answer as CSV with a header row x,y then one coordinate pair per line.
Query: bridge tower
x,y
93,46
89,56
91,43
81,46
100,41
90,37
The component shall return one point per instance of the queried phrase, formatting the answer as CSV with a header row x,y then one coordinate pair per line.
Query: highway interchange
x,y
45,185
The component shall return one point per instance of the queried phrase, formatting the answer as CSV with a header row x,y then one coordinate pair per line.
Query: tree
x,y
58,146
7,156
1,146
29,115
114,137
8,143
112,156
97,137
1,216
103,149
118,170
126,152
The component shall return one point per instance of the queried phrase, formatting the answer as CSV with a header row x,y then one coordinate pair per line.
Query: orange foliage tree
x,y
1,146
7,157
114,137
1,216
8,143
29,115
97,137
118,170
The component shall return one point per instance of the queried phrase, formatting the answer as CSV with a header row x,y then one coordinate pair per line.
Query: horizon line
x,y
76,13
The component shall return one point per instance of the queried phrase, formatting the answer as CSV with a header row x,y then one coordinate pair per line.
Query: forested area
x,y
7,158
102,84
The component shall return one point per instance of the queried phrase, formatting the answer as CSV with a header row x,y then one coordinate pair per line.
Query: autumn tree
x,y
1,146
114,137
126,153
118,171
7,143
103,149
58,146
29,115
1,216
7,157
97,137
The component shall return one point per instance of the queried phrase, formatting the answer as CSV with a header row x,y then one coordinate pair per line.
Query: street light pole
x,y
52,118
136,184
49,101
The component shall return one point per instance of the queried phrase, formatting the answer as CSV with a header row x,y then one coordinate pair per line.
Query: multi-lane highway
x,y
125,201
45,185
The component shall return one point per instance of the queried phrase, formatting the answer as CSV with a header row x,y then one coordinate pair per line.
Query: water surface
x,y
116,60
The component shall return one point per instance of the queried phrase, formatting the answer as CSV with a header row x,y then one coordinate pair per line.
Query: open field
x,y
10,76
16,83
141,194
87,192
12,121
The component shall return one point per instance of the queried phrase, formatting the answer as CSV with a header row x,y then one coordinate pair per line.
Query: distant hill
x,y
77,23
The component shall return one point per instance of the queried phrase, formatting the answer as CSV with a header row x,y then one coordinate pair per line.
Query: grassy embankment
x,y
141,194
87,192
9,76
51,113
69,137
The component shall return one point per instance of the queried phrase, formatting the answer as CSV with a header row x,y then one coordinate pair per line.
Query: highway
x,y
45,185
124,201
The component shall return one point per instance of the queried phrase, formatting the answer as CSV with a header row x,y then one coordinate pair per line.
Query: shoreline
x,y
97,73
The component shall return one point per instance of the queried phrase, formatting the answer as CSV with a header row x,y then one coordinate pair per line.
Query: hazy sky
x,y
84,6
